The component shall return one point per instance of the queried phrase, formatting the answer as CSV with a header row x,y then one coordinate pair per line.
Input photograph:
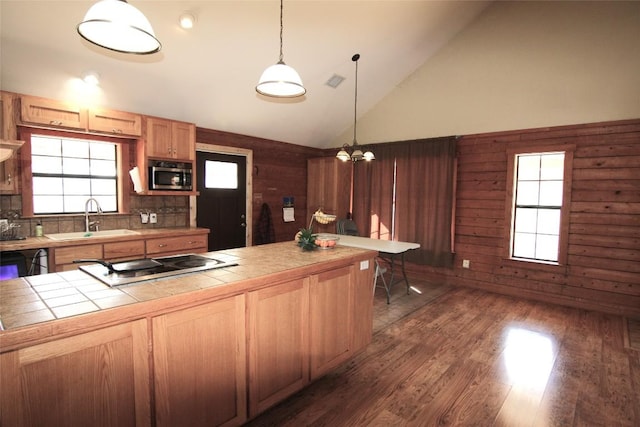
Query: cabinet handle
x,y
116,130
161,245
55,122
9,178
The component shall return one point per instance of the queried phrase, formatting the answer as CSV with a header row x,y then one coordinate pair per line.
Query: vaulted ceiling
x,y
208,74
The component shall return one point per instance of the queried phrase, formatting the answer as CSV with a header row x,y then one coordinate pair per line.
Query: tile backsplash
x,y
172,211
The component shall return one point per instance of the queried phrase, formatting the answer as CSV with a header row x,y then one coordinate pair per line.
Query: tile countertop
x,y
45,242
32,300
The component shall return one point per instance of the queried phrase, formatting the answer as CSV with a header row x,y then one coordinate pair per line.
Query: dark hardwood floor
x,y
464,357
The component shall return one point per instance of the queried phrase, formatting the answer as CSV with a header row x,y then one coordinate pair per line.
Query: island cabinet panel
x,y
362,305
330,319
278,343
200,365
98,378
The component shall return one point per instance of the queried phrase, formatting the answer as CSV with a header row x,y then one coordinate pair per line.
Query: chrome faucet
x,y
87,223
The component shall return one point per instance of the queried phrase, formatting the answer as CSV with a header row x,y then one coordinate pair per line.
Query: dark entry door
x,y
222,201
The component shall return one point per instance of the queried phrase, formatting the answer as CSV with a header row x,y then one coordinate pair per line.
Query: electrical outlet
x,y
153,217
144,217
4,224
466,263
364,265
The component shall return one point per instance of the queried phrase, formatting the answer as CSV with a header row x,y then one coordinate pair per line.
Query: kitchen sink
x,y
82,235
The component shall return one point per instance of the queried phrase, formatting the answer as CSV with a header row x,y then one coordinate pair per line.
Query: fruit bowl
x,y
326,241
324,218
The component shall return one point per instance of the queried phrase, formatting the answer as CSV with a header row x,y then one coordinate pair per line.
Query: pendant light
x,y
118,26
356,152
280,80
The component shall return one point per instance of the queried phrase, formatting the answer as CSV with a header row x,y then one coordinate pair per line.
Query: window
x,y
539,205
223,175
67,171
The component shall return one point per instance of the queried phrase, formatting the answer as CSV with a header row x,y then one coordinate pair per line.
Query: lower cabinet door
x,y
199,358
278,343
99,378
330,319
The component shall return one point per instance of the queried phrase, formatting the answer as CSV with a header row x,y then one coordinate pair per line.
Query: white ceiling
x,y
207,75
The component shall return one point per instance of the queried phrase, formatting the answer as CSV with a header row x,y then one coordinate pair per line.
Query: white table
x,y
387,249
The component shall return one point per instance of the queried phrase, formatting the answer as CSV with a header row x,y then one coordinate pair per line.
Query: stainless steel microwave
x,y
165,176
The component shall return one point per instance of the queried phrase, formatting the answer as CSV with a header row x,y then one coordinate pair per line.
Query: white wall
x,y
519,65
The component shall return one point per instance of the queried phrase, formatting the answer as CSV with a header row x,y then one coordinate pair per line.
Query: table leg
x,y
390,258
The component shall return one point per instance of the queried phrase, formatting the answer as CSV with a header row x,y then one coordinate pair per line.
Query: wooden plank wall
x,y
603,266
279,170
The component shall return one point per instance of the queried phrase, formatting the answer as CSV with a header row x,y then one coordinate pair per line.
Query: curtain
x,y
425,199
373,195
407,194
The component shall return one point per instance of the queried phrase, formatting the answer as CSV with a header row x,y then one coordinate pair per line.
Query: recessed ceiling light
x,y
334,81
187,21
91,78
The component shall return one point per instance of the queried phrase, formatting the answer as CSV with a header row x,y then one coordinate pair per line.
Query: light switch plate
x,y
364,265
144,217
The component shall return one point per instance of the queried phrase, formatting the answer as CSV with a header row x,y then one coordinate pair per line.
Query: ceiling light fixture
x,y
118,26
91,78
187,21
356,152
280,80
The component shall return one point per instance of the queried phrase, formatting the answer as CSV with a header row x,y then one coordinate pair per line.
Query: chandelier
x,y
356,152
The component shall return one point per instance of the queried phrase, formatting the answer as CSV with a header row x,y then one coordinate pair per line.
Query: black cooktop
x,y
168,267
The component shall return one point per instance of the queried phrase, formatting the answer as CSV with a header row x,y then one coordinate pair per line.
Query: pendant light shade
x,y
280,80
356,152
118,26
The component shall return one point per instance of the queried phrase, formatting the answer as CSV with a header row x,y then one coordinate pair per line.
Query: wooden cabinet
x,y
330,319
50,113
63,115
200,365
9,182
328,188
61,259
167,139
278,343
120,251
164,246
114,122
95,378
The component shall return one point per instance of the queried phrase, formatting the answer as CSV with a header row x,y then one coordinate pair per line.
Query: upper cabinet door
x,y
115,122
184,140
41,111
159,138
168,139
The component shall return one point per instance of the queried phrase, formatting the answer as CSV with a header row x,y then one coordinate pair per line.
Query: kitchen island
x,y
215,347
